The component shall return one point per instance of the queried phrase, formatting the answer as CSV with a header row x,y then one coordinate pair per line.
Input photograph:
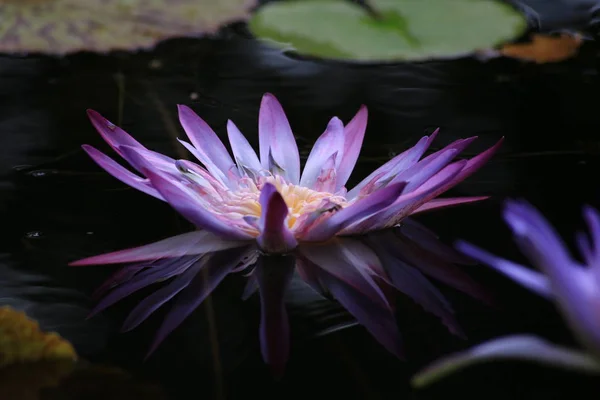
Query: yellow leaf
x,y
22,340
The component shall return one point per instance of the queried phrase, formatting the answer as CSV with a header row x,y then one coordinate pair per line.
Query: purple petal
x,y
250,288
275,237
219,265
139,157
358,210
532,280
408,280
575,288
308,272
117,137
448,202
401,208
197,242
354,134
396,165
471,167
276,139
419,173
244,154
121,173
119,277
329,143
379,321
274,274
153,302
112,134
427,240
593,221
152,275
186,202
436,267
336,260
210,151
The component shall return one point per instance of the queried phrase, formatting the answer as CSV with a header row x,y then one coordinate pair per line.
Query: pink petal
x,y
329,143
358,210
354,134
244,154
275,237
197,242
448,202
121,173
210,151
327,177
276,140
112,134
187,202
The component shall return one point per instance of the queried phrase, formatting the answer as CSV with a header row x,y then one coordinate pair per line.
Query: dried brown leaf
x,y
544,48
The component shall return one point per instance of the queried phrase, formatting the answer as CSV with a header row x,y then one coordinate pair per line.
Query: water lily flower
x,y
573,286
265,202
266,199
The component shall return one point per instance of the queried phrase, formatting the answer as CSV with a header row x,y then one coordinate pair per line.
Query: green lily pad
x,y
404,30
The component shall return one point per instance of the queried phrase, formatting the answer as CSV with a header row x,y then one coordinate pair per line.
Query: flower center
x,y
244,202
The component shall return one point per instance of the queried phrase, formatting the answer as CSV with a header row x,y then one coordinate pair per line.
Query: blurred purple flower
x,y
574,287
265,203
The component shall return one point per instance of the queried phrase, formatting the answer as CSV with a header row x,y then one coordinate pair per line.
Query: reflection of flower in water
x,y
62,26
575,288
357,271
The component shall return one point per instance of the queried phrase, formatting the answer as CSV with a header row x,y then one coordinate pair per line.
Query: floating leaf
x,y
545,48
399,30
517,347
64,26
22,340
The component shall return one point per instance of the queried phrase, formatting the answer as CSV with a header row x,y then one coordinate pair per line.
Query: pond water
x,y
56,206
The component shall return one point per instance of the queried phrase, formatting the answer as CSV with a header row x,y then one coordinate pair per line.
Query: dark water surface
x,y
56,206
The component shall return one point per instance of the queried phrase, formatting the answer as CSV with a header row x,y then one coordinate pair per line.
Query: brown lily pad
x,y
65,26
